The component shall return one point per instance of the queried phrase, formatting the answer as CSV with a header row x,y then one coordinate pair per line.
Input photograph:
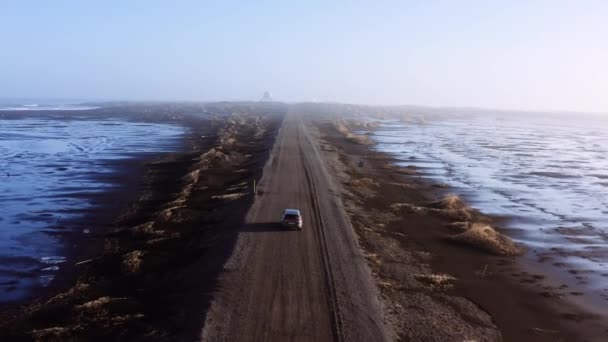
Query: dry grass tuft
x,y
459,215
214,156
453,207
359,139
95,304
52,334
450,202
230,197
459,227
362,124
403,185
147,230
436,281
373,257
132,262
342,127
369,125
362,182
409,208
484,237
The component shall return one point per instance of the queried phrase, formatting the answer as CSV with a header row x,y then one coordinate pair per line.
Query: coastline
x,y
97,219
127,181
153,273
506,166
149,273
521,305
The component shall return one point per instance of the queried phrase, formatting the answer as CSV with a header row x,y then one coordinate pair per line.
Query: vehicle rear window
x,y
291,217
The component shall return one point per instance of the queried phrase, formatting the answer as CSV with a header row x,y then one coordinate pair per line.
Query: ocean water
x,y
548,176
35,107
49,171
43,104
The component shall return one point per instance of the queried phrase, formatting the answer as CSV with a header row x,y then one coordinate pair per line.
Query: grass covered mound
x,y
485,237
452,205
468,224
344,129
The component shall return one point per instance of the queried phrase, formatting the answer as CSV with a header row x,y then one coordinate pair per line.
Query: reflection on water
x,y
49,169
550,175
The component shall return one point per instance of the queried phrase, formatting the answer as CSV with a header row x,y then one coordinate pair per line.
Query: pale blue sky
x,y
537,55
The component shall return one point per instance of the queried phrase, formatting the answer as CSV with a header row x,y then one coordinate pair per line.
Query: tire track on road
x,y
330,280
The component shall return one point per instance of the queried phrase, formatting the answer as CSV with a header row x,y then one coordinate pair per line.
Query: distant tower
x,y
266,97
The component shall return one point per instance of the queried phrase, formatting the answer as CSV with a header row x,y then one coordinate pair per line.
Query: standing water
x,y
548,175
49,169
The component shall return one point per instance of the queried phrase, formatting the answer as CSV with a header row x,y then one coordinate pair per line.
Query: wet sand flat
x,y
455,291
541,175
152,269
54,173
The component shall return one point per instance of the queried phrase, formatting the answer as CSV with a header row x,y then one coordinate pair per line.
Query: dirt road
x,y
309,285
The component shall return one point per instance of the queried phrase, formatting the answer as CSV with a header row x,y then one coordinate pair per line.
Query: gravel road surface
x,y
309,285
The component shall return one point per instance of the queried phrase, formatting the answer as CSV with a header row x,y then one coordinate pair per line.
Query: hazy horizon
x,y
526,55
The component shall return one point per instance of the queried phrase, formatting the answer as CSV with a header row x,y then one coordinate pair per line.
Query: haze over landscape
x,y
527,55
321,171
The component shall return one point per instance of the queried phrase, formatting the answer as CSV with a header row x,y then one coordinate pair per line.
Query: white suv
x,y
291,218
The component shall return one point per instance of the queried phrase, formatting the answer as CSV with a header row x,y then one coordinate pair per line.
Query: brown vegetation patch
x,y
342,127
459,227
132,262
362,182
484,237
436,281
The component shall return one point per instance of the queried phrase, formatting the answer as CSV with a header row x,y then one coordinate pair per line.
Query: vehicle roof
x,y
291,212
